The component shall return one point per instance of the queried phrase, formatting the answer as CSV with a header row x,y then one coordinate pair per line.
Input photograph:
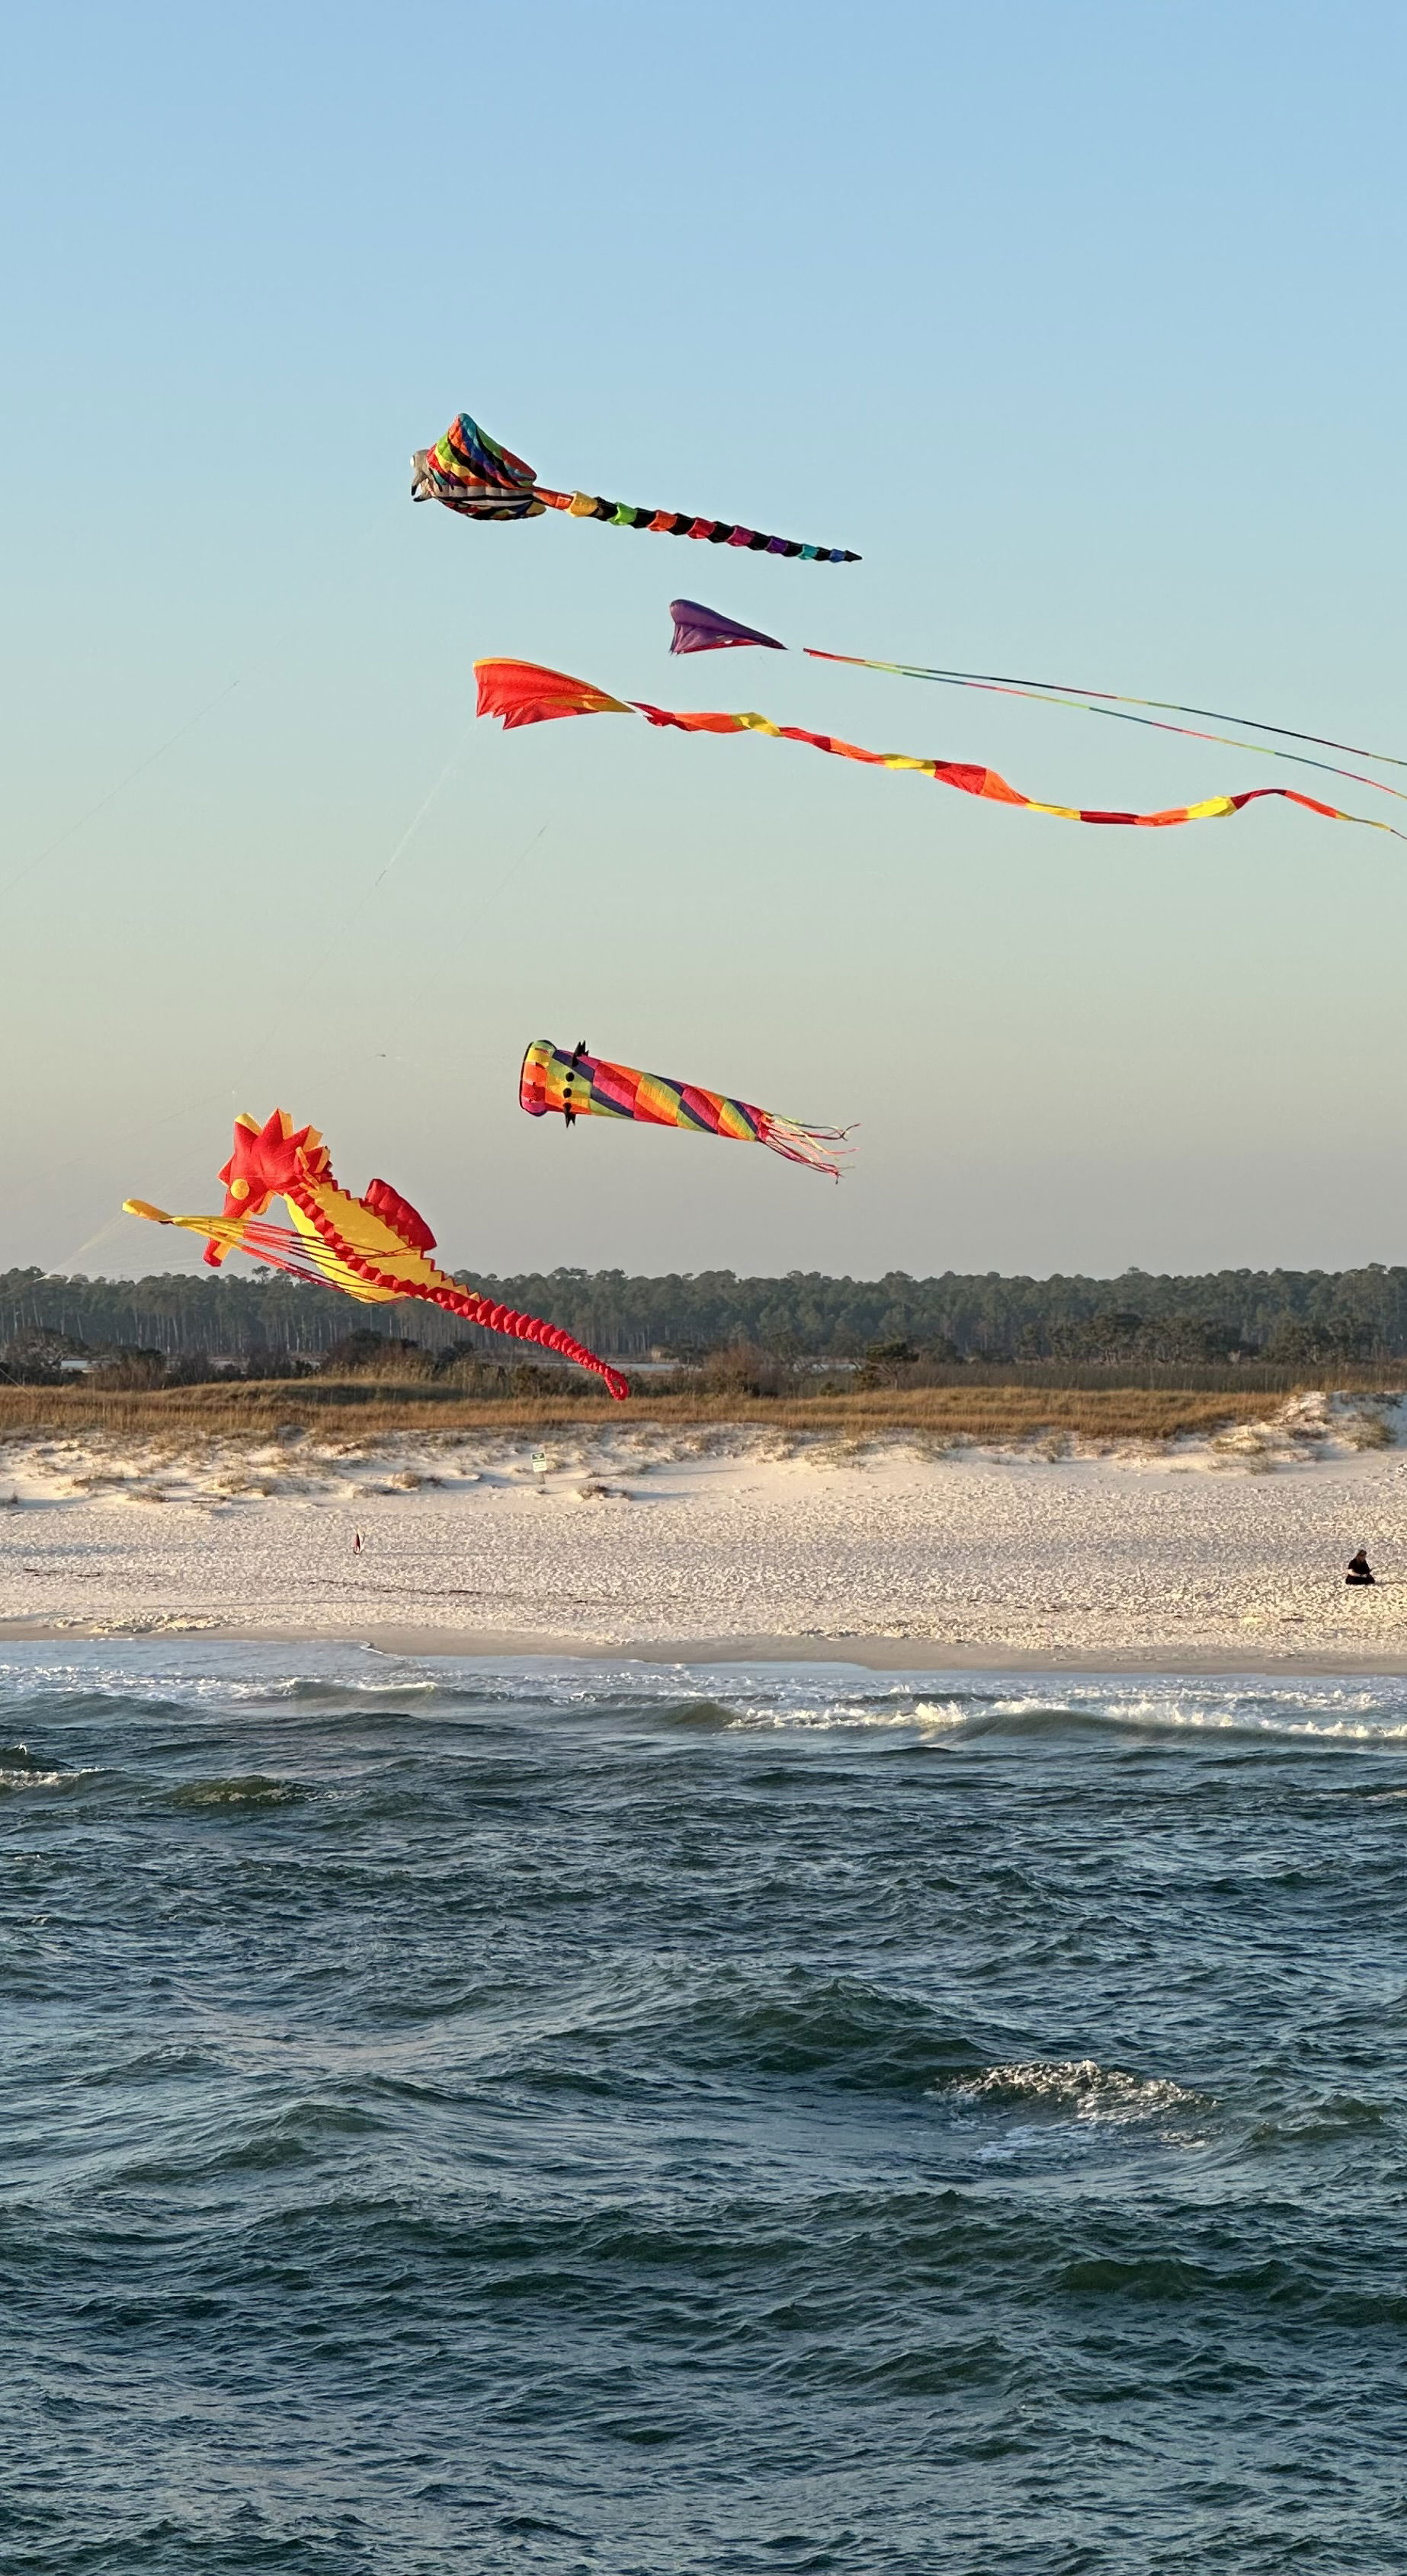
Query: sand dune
x,y
1229,1548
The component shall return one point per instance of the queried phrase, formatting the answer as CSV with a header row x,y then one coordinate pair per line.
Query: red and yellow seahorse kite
x,y
374,1248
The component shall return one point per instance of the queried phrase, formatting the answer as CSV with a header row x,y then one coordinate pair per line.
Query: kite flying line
x,y
341,931
27,866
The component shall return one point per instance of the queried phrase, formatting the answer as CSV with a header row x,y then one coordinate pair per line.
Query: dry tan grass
x,y
353,1409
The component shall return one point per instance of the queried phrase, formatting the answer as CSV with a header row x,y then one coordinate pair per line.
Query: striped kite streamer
x,y
470,472
586,1086
1089,702
706,630
1067,692
523,693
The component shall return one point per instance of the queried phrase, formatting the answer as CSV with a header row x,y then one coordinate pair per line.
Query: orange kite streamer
x,y
374,1248
523,693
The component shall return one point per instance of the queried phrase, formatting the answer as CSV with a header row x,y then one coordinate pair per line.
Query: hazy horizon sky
x,y
1077,323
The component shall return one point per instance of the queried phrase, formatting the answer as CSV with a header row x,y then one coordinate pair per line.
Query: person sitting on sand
x,y
1359,1570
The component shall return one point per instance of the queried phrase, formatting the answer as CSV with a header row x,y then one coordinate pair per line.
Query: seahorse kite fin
x,y
374,1248
470,472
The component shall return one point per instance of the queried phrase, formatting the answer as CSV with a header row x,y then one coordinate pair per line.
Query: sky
x,y
1080,324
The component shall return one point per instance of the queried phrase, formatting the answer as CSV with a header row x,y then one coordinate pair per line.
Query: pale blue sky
x,y
1081,322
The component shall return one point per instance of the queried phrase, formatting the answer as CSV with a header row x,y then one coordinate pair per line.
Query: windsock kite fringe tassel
x,y
812,1146
523,693
586,1086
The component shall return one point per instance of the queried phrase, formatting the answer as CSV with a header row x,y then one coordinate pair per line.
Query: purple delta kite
x,y
706,630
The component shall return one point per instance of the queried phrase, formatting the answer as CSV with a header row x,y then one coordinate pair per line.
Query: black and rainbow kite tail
x,y
470,472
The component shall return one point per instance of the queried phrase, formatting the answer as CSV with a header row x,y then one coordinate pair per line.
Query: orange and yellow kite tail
x,y
523,693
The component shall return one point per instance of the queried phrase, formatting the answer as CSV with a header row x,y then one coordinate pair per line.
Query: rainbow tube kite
x,y
374,1248
706,630
468,471
523,693
585,1086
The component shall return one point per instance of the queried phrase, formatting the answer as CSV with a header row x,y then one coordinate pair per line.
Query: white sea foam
x,y
1061,2102
1319,1708
191,1672
31,1775
1080,2089
901,1710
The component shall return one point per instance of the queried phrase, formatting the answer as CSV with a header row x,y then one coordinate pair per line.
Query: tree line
x,y
265,1322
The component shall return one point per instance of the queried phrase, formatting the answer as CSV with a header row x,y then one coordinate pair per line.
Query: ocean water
x,y
559,2118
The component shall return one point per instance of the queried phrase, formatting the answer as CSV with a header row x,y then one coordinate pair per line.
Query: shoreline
x,y
876,1654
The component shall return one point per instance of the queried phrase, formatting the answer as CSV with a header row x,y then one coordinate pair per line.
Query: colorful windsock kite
x,y
523,693
706,630
468,471
374,1248
586,1086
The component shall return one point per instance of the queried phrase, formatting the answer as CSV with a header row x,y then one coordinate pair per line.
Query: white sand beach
x,y
900,1551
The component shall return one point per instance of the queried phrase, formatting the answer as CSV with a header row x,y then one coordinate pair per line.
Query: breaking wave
x,y
1079,2088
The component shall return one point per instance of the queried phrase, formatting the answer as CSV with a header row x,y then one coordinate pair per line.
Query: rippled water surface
x,y
572,2118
